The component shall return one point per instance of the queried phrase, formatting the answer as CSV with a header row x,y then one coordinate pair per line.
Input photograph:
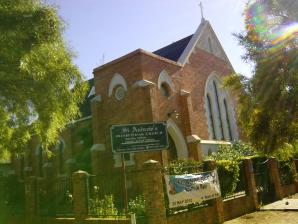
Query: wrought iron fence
x,y
264,185
54,197
286,172
63,191
114,195
241,188
12,195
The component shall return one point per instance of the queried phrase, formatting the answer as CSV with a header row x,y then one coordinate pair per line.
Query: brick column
x,y
80,195
250,182
210,165
274,176
153,193
194,147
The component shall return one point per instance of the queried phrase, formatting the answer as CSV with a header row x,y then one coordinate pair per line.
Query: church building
x,y
181,84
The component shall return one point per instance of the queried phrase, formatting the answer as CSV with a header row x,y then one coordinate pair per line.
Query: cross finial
x,y
202,13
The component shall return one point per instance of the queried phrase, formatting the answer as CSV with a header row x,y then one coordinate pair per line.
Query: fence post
x,y
80,195
275,177
209,166
250,182
153,193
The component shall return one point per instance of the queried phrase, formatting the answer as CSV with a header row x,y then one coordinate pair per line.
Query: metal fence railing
x,y
286,172
241,188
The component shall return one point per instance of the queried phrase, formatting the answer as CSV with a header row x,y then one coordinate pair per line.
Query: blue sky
x,y
116,27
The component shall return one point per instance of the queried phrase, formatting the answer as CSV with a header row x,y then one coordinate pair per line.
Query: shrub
x,y
236,151
228,174
137,206
180,167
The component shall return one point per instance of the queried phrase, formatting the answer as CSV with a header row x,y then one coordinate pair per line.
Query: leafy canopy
x,y
268,101
40,88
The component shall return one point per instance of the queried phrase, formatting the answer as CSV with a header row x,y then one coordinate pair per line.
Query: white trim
x,y
192,139
92,91
184,93
98,148
117,80
178,138
81,119
143,83
183,59
97,98
165,78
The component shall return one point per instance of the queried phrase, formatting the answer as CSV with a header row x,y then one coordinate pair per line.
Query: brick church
x,y
181,83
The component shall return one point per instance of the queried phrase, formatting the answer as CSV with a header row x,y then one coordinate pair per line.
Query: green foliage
x,y
268,101
40,86
233,152
179,167
137,206
102,206
228,173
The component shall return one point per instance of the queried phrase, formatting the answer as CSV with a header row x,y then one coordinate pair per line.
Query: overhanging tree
x,y
40,87
268,101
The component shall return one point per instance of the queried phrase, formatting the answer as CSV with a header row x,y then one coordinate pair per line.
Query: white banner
x,y
186,189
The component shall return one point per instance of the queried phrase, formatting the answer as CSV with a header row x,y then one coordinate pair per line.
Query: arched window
x,y
211,116
228,120
165,90
219,111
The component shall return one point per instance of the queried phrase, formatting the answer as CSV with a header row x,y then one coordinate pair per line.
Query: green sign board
x,y
139,137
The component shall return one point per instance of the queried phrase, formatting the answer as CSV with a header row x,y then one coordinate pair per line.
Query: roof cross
x,y
202,13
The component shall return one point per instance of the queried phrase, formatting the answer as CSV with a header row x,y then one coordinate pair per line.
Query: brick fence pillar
x,y
250,182
209,166
153,193
80,195
275,177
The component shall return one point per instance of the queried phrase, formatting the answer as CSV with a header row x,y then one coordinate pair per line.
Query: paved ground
x,y
267,217
281,212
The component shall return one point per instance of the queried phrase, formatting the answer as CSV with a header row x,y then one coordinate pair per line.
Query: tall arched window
x,y
211,117
228,120
219,111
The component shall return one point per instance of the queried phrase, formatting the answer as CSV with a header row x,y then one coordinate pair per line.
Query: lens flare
x,y
265,28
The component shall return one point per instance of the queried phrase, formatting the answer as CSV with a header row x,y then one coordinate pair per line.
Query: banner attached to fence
x,y
186,189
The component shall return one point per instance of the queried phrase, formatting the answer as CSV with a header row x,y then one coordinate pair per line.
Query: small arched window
x,y
211,116
165,90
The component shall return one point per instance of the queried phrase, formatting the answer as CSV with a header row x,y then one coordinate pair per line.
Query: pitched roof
x,y
174,50
85,107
